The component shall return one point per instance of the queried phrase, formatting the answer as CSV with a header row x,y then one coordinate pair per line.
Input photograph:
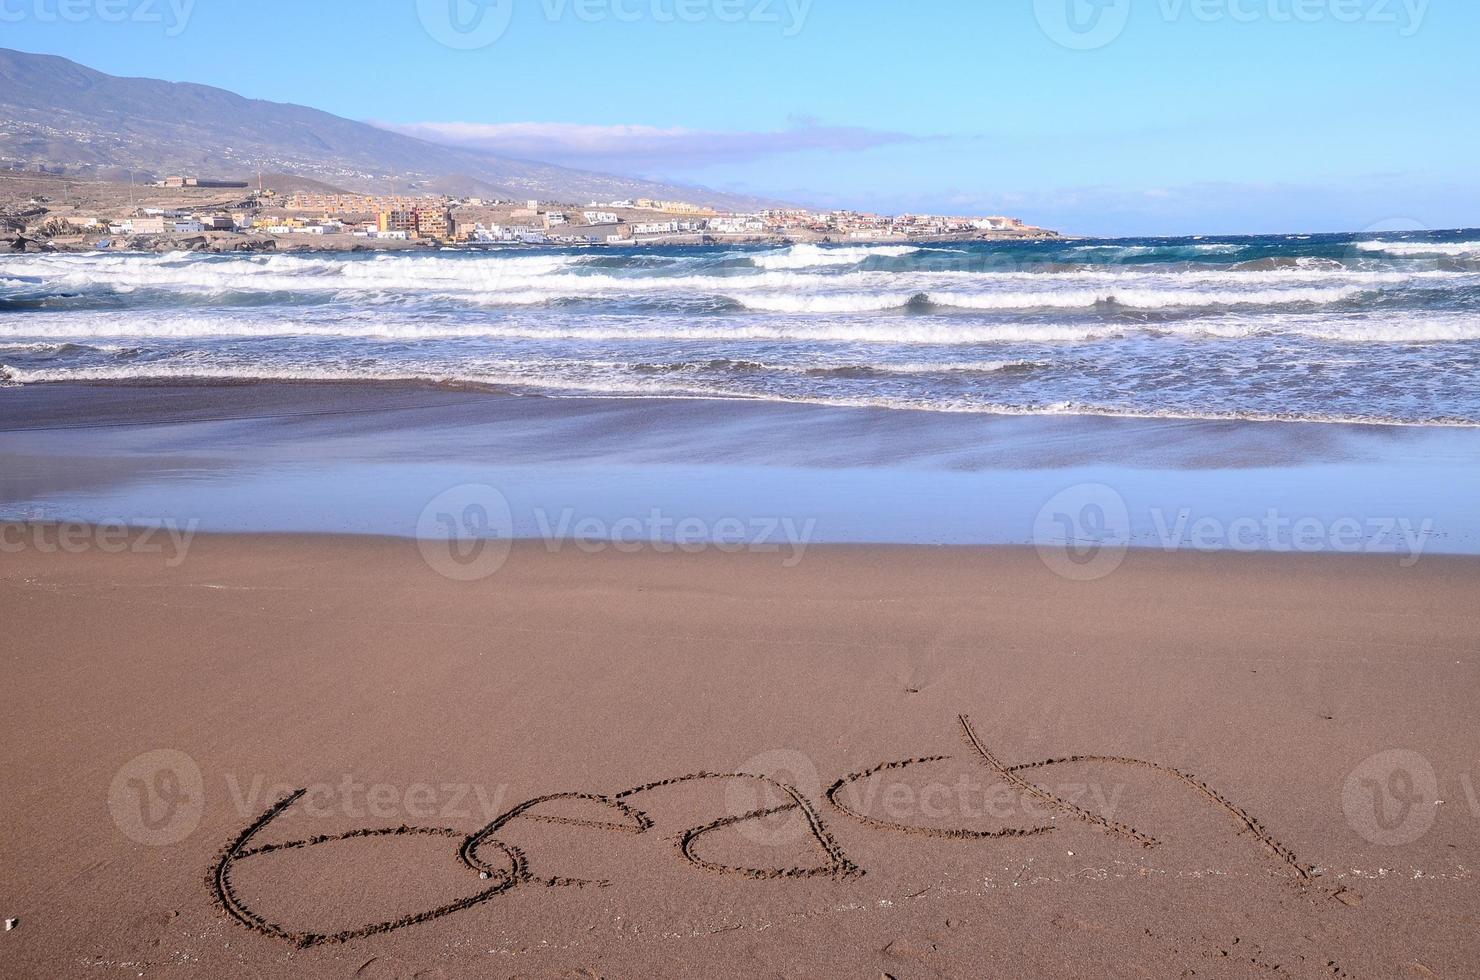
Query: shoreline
x,y
231,243
502,389
349,458
224,243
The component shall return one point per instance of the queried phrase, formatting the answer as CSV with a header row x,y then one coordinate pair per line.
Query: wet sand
x,y
1295,721
327,458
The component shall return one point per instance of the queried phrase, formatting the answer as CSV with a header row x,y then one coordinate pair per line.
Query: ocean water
x,y
1362,328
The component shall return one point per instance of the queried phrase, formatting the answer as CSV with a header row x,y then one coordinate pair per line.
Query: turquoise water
x,y
1374,327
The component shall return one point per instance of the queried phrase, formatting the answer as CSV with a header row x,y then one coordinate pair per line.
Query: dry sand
x,y
1255,836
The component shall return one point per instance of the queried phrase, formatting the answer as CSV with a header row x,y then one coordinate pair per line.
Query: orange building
x,y
434,222
396,221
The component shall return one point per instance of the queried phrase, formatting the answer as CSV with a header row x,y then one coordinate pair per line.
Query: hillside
x,y
59,114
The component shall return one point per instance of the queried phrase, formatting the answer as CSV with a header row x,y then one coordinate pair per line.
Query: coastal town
x,y
232,215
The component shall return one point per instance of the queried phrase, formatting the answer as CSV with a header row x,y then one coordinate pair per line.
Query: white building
x,y
996,224
655,228
600,217
736,225
493,233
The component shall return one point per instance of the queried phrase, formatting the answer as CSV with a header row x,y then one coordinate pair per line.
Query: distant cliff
x,y
57,113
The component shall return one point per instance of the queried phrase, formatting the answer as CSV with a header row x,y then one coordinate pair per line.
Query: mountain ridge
x,y
55,112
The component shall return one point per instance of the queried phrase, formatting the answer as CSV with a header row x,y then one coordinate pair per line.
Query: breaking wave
x,y
1317,327
1419,249
812,256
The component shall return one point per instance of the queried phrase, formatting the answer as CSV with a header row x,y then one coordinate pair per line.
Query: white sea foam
x,y
609,387
407,327
518,280
398,327
810,256
1422,248
1279,339
1144,299
938,367
1136,251
1364,330
529,280
1147,299
824,302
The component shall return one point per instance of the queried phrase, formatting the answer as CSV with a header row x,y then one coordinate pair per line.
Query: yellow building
x,y
396,221
434,222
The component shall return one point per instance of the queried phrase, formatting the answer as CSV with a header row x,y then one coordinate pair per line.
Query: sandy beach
x,y
158,711
341,680
878,528
869,529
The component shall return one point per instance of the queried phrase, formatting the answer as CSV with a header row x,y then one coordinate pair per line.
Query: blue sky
x,y
1092,116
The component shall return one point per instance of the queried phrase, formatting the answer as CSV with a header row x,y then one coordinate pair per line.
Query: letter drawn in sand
x,y
500,867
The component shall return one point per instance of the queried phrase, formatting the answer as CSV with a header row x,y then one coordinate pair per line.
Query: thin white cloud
x,y
626,147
